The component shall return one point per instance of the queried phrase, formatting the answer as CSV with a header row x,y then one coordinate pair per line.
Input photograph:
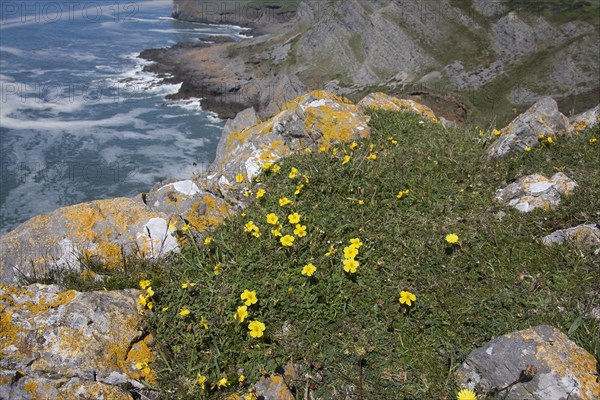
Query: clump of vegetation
x,y
374,268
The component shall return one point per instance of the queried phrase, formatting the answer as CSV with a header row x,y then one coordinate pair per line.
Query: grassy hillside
x,y
348,331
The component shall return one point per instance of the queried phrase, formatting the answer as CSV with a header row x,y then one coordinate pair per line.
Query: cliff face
x,y
496,56
249,13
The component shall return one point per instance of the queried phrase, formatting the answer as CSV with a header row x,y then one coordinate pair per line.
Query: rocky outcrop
x,y
587,235
105,230
381,101
536,191
68,345
512,53
273,388
585,120
251,13
540,363
314,120
543,118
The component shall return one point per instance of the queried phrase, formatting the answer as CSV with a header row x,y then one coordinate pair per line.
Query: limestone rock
x,y
381,101
587,119
543,118
273,388
185,203
587,235
71,345
105,231
316,119
536,191
244,119
564,370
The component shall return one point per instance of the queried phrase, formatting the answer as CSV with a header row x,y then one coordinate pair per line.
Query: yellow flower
x,y
185,228
143,366
164,309
298,189
480,132
272,219
217,269
346,160
287,240
334,151
350,252
284,201
294,218
402,193
260,193
241,379
353,146
242,313
356,242
331,251
407,298
150,305
250,226
266,166
249,297
527,149
361,202
371,147
208,240
593,140
276,232
276,168
322,149
184,312
466,394
203,322
309,270
452,238
239,178
172,226
305,178
202,381
293,173
372,156
223,382
247,193
142,300
145,283
187,284
149,292
300,230
256,233
350,265
256,329
549,140
496,132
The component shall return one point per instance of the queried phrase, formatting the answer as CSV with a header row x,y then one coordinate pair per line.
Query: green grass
x,y
349,330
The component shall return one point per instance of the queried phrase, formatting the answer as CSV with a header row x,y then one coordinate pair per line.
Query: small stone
x,y
536,191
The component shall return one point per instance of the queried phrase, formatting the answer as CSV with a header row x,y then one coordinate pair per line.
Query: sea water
x,y
79,119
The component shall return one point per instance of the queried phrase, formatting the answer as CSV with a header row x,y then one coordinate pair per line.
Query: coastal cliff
x,y
464,59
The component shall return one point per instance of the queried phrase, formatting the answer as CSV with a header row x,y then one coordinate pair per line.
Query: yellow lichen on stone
x,y
140,353
81,220
570,361
109,254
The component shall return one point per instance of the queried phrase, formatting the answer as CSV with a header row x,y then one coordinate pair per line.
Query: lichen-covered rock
x,y
381,101
564,370
244,119
543,118
313,120
587,119
186,204
105,231
587,235
64,344
273,388
536,191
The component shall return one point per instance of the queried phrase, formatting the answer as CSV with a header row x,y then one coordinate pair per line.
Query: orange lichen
x,y
140,353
